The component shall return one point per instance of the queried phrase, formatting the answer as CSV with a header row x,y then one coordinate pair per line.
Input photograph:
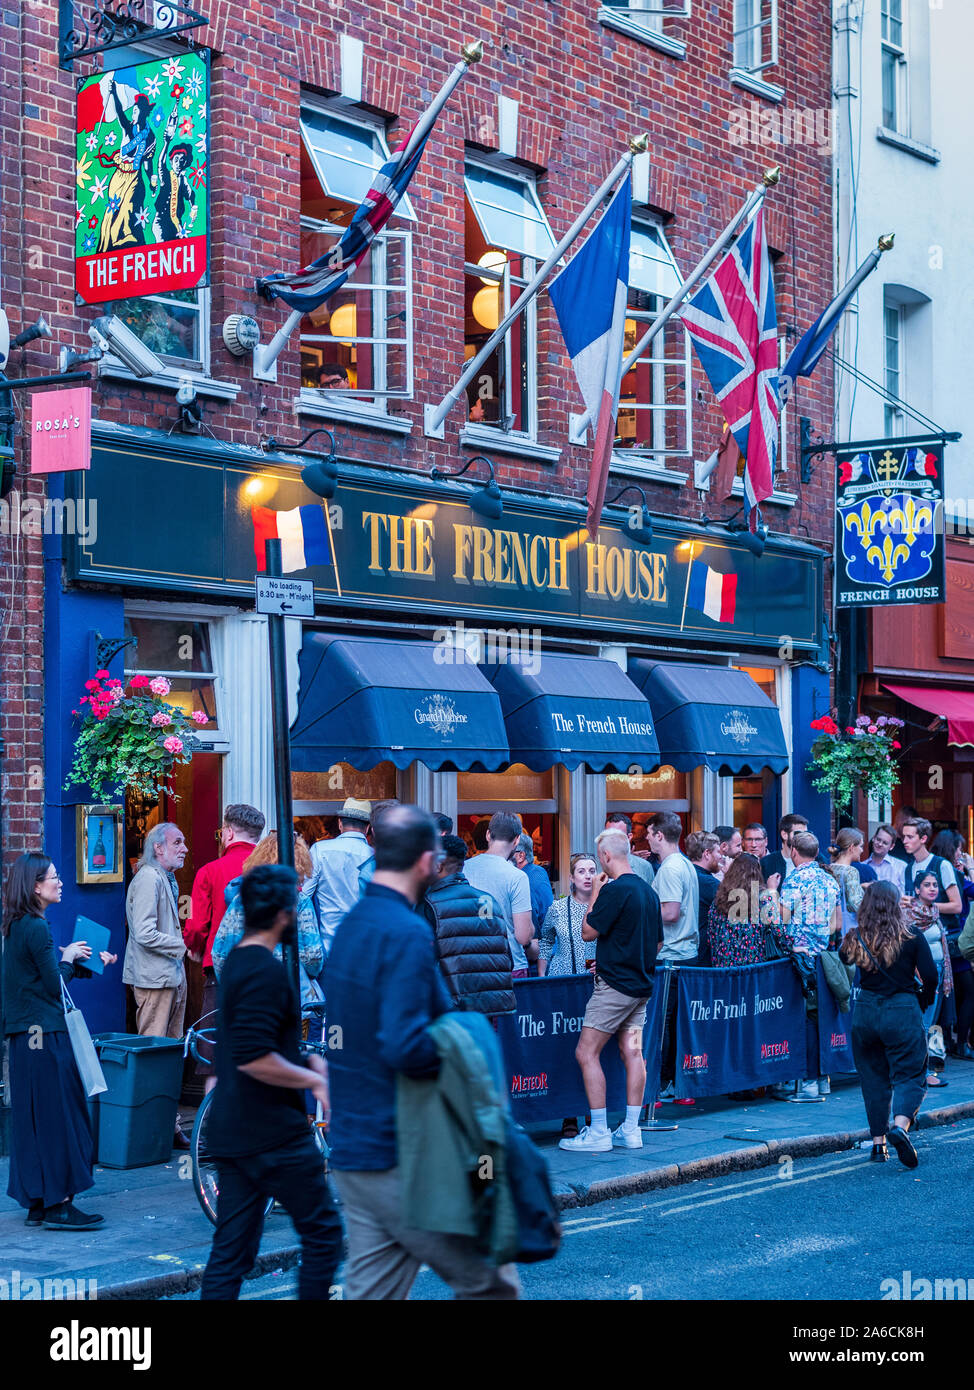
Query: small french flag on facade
x,y
712,593
303,533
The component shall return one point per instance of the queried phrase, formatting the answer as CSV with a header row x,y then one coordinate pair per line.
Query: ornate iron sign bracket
x,y
87,27
816,447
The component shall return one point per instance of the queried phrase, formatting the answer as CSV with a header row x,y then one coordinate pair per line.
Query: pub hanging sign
x,y
142,216
889,529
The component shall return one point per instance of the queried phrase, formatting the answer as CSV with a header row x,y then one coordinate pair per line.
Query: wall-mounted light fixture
x,y
637,526
486,500
320,477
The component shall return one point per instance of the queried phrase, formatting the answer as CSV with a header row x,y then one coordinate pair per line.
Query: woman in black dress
x,y
51,1143
889,1041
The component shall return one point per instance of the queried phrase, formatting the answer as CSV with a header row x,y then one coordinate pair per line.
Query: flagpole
x,y
435,415
334,553
768,180
470,53
686,592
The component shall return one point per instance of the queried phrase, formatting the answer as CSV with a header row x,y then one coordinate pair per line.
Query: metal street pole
x,y
282,753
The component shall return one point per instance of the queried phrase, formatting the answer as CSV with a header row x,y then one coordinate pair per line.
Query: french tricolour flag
x,y
589,296
303,534
712,593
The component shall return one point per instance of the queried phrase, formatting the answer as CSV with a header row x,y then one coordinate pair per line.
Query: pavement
x,y
155,1240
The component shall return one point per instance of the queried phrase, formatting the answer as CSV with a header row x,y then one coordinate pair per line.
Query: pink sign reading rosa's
x,y
60,430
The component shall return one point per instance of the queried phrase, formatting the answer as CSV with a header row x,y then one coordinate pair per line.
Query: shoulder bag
x,y
918,988
85,1056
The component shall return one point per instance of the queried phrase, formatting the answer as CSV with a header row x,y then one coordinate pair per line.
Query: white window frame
x,y
215,740
353,116
359,405
894,417
749,59
895,53
651,458
488,434
645,20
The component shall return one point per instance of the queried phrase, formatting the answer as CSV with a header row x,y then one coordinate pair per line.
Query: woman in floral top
x,y
744,906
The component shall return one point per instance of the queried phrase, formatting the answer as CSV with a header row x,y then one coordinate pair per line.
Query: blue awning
x,y
711,716
574,710
367,700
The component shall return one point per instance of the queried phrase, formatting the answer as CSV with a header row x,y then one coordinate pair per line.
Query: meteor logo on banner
x,y
889,534
142,175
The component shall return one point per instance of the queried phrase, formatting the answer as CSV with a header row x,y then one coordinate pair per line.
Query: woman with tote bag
x,y
51,1143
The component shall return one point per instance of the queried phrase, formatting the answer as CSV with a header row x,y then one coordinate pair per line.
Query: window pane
x,y
335,784
890,80
632,9
167,644
509,213
345,156
763,676
665,784
517,784
169,325
651,266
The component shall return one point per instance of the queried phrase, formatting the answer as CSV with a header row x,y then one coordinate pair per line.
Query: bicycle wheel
x,y
205,1180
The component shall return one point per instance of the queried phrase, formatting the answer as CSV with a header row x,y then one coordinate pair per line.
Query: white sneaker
x,y
623,1138
807,1094
588,1142
783,1090
669,1093
824,1086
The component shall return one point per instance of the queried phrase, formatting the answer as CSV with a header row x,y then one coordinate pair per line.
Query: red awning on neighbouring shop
x,y
956,706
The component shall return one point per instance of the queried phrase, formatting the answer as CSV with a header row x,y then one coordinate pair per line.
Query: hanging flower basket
x,y
861,758
130,737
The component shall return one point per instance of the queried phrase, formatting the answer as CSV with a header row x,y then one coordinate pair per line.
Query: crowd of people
x,y
726,899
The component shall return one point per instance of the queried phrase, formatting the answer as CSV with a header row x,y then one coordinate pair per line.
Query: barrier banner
x,y
834,1029
738,1029
539,1041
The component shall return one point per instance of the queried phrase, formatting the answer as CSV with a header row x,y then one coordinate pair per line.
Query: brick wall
x,y
582,88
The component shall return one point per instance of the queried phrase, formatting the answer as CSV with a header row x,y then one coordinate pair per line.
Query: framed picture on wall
x,y
98,841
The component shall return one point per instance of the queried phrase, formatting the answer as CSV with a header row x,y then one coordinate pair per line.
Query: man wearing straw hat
x,y
342,867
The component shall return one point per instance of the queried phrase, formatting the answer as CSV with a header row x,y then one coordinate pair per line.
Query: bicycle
x,y
205,1177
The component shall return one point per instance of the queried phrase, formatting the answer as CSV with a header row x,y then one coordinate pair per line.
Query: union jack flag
x,y
732,322
306,289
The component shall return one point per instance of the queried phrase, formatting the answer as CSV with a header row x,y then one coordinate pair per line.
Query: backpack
x,y
538,1222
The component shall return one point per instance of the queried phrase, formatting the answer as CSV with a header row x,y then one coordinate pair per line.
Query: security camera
x,y
111,334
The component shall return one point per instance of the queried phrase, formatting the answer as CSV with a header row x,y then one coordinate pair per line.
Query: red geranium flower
x,y
137,682
91,685
101,675
895,744
851,729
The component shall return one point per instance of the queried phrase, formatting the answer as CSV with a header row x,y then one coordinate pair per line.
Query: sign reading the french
x,y
834,1030
739,1028
889,532
142,218
538,1042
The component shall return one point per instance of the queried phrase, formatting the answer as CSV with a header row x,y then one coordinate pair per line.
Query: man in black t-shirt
x,y
624,918
257,1129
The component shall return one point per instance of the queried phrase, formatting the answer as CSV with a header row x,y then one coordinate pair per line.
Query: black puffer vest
x,y
472,948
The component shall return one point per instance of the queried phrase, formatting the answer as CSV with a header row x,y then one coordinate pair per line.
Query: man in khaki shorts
x,y
624,918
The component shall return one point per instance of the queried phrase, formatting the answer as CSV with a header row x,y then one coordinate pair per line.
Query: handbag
x,y
85,1056
773,949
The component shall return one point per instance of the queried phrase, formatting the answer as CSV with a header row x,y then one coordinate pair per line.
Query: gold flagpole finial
x,y
639,144
771,176
472,51
885,242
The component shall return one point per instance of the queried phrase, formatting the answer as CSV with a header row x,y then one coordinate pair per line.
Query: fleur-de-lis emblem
x,y
888,558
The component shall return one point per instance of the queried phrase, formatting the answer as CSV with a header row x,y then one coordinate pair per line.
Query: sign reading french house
x,y
889,534
142,217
